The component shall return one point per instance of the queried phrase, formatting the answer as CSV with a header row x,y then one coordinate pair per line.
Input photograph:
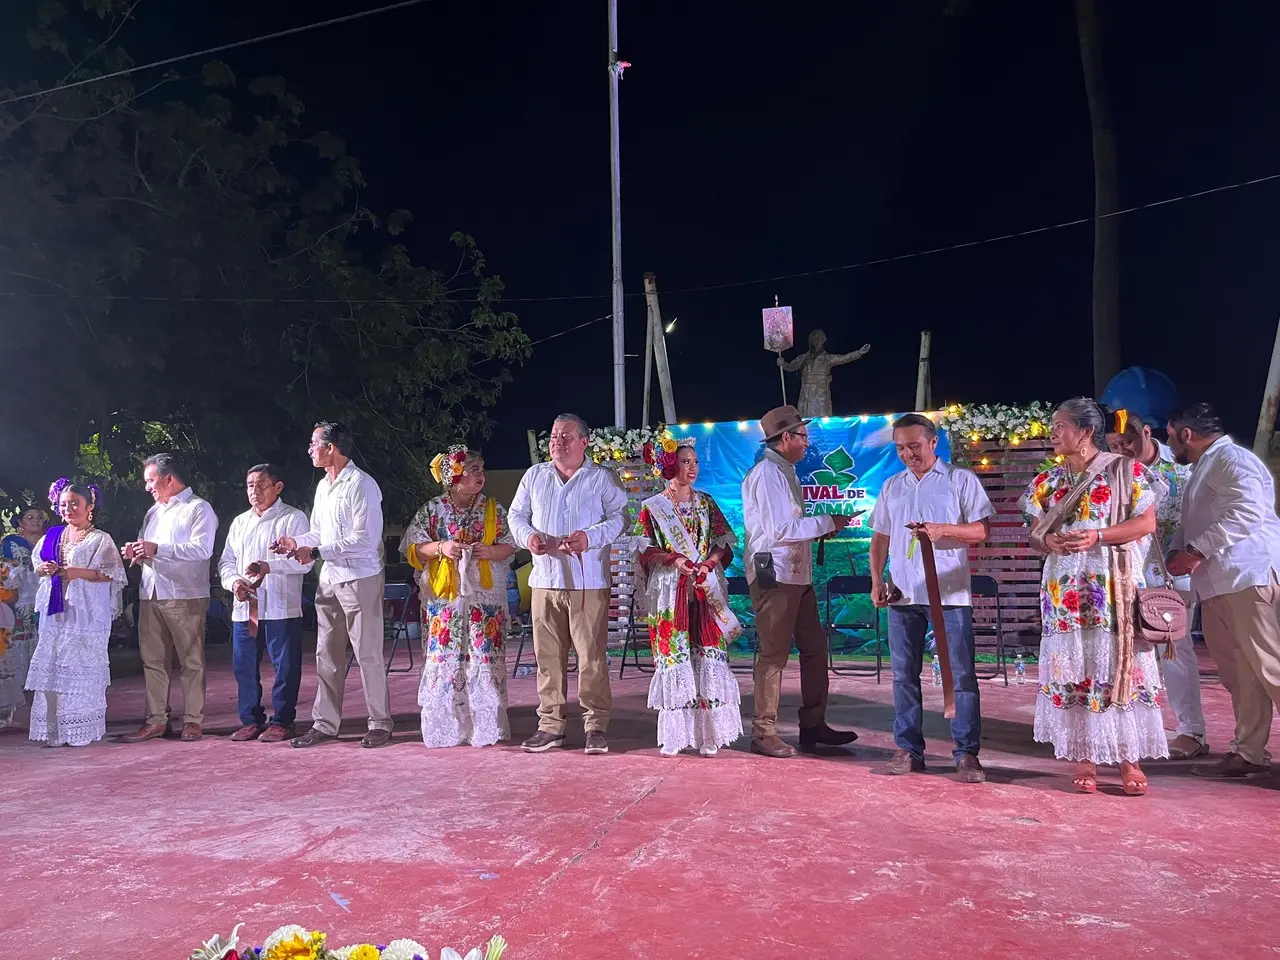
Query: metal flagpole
x,y
619,356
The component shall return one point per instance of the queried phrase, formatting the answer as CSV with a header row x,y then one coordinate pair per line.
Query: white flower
x,y
448,953
215,948
404,950
285,933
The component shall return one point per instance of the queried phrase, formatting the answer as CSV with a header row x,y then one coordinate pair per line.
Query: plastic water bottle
x,y
1019,669
937,671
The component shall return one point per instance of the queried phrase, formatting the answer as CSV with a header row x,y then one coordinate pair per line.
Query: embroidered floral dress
x,y
1077,645
463,689
693,689
70,671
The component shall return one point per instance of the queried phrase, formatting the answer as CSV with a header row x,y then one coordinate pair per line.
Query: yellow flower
x,y
364,952
295,948
1055,592
669,445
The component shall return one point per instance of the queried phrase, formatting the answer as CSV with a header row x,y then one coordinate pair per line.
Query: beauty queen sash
x,y
49,554
664,515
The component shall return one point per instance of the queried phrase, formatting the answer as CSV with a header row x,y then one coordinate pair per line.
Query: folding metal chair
x,y
738,587
989,634
631,641
395,593
847,586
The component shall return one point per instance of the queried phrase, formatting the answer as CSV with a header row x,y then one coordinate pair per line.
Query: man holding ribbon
x,y
174,548
946,504
567,513
460,545
267,615
346,533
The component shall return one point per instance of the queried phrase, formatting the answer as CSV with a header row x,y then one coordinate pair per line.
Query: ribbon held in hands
x,y
935,618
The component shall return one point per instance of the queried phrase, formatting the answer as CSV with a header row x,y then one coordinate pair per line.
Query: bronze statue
x,y
815,374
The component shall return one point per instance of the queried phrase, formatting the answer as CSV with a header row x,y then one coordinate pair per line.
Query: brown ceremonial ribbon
x,y
253,604
939,625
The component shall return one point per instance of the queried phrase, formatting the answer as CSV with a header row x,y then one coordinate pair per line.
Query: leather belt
x,y
935,618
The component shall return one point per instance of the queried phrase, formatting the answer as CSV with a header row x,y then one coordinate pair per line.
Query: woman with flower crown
x,y
690,623
81,578
20,579
460,545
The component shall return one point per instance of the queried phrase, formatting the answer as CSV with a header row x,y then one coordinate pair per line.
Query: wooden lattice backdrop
x,y
1007,555
638,480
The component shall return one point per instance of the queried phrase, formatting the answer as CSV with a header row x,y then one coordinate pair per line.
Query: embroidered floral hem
x,y
1105,735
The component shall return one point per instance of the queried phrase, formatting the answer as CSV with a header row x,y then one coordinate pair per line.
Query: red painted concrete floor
x,y
115,850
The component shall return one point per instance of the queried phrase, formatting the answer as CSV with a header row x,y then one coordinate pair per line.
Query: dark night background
x,y
761,139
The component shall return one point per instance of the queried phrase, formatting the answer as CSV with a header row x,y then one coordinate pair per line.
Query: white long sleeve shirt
x,y
945,494
773,514
183,531
592,500
346,524
1228,515
249,541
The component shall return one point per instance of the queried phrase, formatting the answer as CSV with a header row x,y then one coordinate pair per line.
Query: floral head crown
x,y
56,488
665,456
447,468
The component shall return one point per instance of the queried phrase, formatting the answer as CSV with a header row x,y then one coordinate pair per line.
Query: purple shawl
x,y
49,554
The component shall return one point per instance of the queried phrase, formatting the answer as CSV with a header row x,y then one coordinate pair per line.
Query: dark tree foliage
x,y
183,264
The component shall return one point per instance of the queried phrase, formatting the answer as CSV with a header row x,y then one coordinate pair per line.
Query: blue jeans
x,y
907,627
282,640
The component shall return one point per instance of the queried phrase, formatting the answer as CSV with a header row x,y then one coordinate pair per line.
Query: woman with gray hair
x,y
1092,516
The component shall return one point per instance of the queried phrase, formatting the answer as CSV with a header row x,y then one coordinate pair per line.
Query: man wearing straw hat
x,y
779,563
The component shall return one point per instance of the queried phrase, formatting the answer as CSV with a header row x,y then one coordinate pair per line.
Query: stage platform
x,y
117,851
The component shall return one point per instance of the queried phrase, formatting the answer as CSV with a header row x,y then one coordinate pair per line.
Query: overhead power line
x,y
222,48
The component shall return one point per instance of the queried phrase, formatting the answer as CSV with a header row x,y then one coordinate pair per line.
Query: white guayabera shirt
x,y
182,530
249,541
591,500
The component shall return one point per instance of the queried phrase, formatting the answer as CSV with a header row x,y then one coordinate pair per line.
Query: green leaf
x,y
838,459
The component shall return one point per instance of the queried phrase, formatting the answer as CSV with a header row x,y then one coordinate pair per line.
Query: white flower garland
x,y
606,444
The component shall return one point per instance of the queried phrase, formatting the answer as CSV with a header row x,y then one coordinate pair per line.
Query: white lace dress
x,y
16,558
463,689
69,671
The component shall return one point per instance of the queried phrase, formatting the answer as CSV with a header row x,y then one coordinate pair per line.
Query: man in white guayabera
x,y
567,512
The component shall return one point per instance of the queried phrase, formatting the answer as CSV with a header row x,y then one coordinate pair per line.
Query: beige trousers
x,y
784,612
1242,632
350,612
580,618
166,627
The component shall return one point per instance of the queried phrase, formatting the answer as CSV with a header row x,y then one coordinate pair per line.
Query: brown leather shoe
x,y
542,741
312,737
1231,767
276,733
148,731
376,738
772,746
596,743
969,770
191,732
902,762
250,731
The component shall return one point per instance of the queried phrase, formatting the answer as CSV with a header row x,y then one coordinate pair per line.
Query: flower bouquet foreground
x,y
297,943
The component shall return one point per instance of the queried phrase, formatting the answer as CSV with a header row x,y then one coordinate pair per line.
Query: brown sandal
x,y
1133,780
1086,778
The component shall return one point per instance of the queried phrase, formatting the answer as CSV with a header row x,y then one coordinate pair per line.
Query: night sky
x,y
764,139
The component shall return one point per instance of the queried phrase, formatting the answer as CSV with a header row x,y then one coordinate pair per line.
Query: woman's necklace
x,y
71,538
466,517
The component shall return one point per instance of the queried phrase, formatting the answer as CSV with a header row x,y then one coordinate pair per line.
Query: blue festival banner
x,y
848,461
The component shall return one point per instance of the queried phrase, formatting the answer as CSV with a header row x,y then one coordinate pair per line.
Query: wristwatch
x,y
1196,553
315,554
